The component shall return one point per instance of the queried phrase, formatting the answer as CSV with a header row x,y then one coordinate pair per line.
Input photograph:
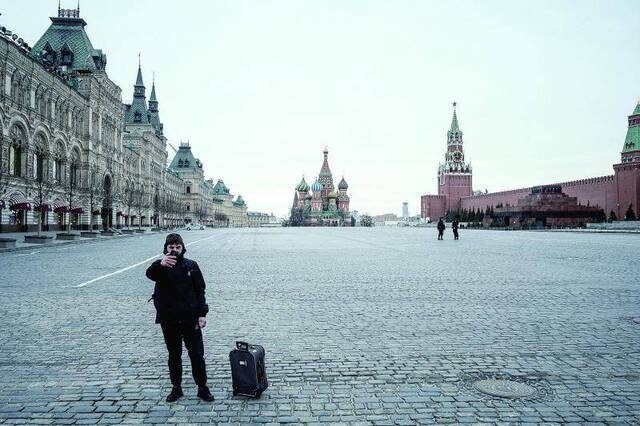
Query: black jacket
x,y
179,292
441,226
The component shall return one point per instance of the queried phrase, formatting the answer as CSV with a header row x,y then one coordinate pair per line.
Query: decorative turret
x,y
343,186
325,170
154,116
631,148
137,113
316,187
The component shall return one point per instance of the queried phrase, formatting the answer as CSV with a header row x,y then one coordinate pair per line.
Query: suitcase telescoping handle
x,y
243,346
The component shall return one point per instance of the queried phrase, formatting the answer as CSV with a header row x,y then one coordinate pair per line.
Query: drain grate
x,y
507,387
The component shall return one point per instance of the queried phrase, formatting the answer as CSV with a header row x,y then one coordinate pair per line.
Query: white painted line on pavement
x,y
119,271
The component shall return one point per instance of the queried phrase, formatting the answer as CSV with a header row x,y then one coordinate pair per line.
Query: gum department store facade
x,y
70,151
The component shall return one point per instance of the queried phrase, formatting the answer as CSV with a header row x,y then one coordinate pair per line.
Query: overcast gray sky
x,y
260,87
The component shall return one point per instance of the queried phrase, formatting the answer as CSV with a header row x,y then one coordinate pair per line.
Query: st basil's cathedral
x,y
319,204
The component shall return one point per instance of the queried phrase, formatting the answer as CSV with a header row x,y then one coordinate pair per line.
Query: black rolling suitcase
x,y
247,370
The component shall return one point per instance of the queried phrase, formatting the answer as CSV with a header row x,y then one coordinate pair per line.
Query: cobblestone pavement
x,y
363,326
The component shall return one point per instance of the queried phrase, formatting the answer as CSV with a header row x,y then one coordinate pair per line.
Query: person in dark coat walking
x,y
441,228
454,227
181,310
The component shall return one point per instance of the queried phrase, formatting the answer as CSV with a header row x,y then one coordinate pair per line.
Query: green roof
x,y
220,188
68,32
303,186
137,113
184,159
239,201
454,123
632,141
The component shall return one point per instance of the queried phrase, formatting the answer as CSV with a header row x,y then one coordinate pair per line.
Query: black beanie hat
x,y
174,239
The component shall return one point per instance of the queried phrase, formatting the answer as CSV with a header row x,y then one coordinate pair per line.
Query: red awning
x,y
45,207
60,207
78,210
96,212
21,206
17,201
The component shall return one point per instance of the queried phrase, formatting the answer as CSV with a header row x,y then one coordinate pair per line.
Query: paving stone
x,y
378,326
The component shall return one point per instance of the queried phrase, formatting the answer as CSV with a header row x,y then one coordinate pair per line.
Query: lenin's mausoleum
x,y
612,193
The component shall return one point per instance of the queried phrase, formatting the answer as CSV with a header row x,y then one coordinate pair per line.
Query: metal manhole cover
x,y
500,386
505,388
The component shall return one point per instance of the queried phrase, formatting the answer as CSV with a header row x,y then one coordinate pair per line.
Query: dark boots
x,y
204,394
175,394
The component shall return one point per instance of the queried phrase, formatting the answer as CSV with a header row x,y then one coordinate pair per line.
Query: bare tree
x,y
43,187
129,194
93,191
5,178
71,191
140,202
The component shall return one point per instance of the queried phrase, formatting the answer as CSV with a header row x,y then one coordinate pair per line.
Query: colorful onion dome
x,y
332,194
343,184
302,186
316,187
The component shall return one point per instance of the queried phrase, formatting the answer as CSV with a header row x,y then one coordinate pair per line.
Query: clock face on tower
x,y
457,156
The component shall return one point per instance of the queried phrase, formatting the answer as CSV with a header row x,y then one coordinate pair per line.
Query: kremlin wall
x,y
612,193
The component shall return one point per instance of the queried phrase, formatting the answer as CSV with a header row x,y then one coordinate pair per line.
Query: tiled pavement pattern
x,y
362,326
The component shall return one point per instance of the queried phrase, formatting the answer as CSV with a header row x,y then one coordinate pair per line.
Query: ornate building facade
x,y
71,154
320,204
615,194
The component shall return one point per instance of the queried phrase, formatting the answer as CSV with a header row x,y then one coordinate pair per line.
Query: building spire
x,y
325,170
454,120
139,81
152,98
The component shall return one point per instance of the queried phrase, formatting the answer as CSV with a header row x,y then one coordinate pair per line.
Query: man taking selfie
x,y
181,310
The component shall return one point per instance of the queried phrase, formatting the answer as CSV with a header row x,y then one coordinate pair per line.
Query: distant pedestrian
x,y
181,310
441,228
454,226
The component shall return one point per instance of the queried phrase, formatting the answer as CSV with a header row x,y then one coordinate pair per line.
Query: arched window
x,y
180,163
188,189
39,159
58,163
188,207
74,169
18,142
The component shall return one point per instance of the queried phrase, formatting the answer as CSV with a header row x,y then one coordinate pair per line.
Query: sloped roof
x,y
325,170
220,188
137,113
184,159
70,31
632,141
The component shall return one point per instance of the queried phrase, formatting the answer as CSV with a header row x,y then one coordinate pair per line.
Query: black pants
x,y
440,234
173,336
455,234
